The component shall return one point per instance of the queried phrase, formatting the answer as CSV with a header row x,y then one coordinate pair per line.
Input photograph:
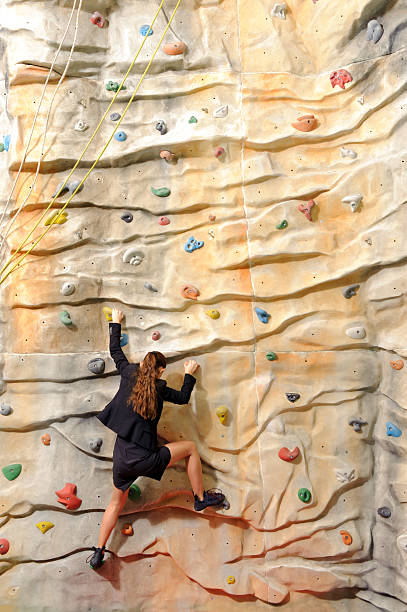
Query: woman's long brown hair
x,y
143,396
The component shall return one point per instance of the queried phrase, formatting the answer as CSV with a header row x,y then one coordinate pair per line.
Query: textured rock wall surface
x,y
269,71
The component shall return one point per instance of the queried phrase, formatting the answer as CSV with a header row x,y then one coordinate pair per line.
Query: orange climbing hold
x,y
397,365
306,123
46,439
175,48
346,537
189,291
127,529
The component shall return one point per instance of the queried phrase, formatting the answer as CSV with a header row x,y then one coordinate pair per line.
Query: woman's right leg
x,y
189,452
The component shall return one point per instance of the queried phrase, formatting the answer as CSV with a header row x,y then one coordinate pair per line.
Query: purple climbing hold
x,y
384,511
127,216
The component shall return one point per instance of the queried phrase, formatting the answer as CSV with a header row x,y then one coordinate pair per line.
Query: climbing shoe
x,y
212,497
96,560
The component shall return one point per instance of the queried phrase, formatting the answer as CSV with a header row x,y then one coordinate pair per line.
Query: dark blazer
x,y
120,417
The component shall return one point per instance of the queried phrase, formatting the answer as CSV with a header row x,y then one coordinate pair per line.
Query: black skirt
x,y
131,461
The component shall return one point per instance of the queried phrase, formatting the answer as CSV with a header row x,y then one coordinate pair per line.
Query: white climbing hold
x,y
133,256
221,112
354,201
81,126
348,153
356,332
361,100
402,542
279,10
67,288
345,475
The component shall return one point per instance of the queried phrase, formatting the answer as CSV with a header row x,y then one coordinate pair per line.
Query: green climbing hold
x,y
304,495
271,356
282,225
12,471
161,192
193,120
113,86
65,318
1,147
134,492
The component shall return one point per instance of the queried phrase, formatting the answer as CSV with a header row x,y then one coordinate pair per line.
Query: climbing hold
x,y
6,141
356,332
81,126
397,365
304,495
65,318
108,312
292,397
346,537
401,541
46,439
374,31
124,339
95,444
68,288
150,286
73,185
288,455
133,256
5,409
155,335
161,192
263,316
120,136
1,147
97,365
306,123
175,48
393,430
221,112
361,100
161,127
115,116
189,291
231,580
307,209
213,314
282,225
279,10
192,119
205,110
12,471
134,492
144,30
384,511
44,526
98,19
192,244
164,221
271,356
353,200
220,152
127,529
340,77
348,153
357,424
345,475
4,546
67,187
67,496
212,217
127,217
169,157
222,413
349,292
57,217
114,86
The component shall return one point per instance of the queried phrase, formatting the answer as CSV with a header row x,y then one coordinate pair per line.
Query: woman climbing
x,y
133,414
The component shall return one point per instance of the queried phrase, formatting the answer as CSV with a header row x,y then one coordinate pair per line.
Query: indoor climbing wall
x,y
231,175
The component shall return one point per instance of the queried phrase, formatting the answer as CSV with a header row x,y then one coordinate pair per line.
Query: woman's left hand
x,y
117,315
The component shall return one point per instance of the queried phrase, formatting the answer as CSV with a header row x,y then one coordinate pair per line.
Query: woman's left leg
x,y
111,515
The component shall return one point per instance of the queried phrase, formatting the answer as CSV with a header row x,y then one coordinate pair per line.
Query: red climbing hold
x,y
219,152
288,455
307,209
163,221
67,496
156,335
98,19
340,77
4,546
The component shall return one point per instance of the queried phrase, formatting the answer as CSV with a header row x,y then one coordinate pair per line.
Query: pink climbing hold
x,y
4,546
156,335
163,221
340,77
219,152
168,156
288,455
67,496
98,19
307,209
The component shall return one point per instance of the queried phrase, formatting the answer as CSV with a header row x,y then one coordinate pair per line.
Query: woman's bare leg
x,y
189,452
111,515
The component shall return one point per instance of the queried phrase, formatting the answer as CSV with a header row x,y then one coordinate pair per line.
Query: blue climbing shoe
x,y
212,497
96,560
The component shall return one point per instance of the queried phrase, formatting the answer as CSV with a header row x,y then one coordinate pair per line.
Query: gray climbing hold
x,y
65,318
356,332
150,286
161,127
349,292
127,216
221,112
279,10
5,409
68,288
384,511
97,365
133,256
68,187
374,31
357,424
354,201
81,126
115,116
95,444
348,153
292,397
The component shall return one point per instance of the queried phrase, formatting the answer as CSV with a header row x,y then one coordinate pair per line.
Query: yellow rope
x,y
54,220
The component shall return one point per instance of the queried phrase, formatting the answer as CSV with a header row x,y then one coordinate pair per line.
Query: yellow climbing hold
x,y
222,413
108,312
44,526
213,314
61,219
231,580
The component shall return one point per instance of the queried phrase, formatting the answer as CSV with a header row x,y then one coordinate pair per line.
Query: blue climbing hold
x,y
144,30
192,244
262,314
120,136
6,141
392,430
124,339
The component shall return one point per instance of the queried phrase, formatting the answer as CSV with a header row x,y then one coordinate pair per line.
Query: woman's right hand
x,y
190,366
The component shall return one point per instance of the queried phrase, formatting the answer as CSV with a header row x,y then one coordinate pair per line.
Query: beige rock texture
x,y
333,351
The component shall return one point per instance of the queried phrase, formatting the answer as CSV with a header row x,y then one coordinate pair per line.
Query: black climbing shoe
x,y
212,497
96,560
